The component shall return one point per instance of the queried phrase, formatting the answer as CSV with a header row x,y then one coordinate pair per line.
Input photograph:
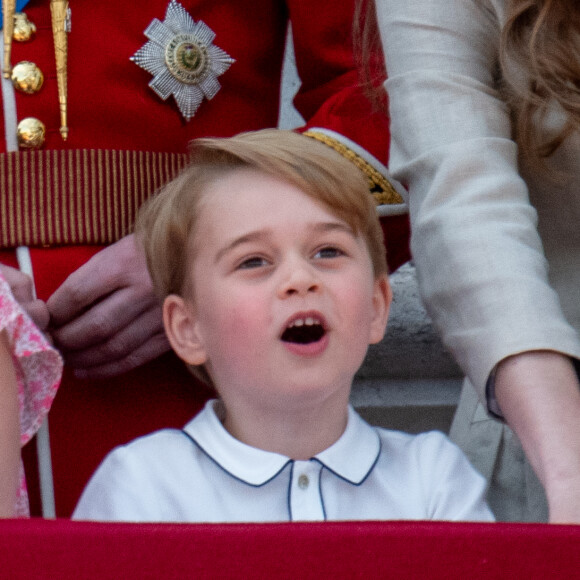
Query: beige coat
x,y
497,256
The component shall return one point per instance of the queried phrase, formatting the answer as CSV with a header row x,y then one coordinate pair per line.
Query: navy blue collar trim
x,y
357,483
290,461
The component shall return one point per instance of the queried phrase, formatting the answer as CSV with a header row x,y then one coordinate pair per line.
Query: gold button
x,y
27,77
31,133
303,481
24,30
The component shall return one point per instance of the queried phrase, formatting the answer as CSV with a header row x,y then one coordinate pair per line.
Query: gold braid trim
x,y
381,188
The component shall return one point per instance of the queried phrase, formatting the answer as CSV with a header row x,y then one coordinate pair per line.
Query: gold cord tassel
x,y
59,12
8,10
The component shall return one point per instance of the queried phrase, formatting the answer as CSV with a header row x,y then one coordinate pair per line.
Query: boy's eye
x,y
329,252
253,262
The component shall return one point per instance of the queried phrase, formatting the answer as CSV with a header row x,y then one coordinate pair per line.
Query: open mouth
x,y
304,331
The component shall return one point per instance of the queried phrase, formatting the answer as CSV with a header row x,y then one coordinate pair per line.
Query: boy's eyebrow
x,y
251,237
333,226
319,227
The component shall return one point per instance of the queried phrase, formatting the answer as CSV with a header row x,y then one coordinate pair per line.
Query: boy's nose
x,y
299,278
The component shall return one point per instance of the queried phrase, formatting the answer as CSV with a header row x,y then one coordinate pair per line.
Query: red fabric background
x,y
403,550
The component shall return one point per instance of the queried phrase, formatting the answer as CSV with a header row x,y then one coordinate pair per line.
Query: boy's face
x,y
282,299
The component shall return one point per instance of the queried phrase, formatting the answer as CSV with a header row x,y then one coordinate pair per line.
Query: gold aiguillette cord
x,y
8,9
59,9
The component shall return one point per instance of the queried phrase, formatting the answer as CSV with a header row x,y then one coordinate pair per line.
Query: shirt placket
x,y
306,503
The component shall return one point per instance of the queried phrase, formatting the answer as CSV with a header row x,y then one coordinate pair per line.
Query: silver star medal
x,y
182,59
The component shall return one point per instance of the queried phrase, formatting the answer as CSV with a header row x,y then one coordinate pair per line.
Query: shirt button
x,y
303,481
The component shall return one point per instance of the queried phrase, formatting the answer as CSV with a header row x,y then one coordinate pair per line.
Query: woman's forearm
x,y
539,395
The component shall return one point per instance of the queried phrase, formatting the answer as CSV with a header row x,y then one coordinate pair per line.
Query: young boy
x,y
269,256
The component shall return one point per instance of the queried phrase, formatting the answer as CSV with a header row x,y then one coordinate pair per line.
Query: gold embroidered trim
x,y
381,188
78,196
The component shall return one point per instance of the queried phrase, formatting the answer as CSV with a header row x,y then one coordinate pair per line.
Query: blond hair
x,y
165,225
542,39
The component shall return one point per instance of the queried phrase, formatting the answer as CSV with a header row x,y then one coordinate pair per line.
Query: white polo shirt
x,y
203,474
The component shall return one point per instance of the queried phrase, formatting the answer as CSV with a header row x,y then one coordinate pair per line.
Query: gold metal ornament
x,y
24,29
31,133
60,27
186,59
8,10
27,77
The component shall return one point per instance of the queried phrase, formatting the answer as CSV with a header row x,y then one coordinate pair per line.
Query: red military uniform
x,y
68,198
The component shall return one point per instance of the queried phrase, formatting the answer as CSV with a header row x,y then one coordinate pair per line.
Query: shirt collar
x,y
352,457
355,454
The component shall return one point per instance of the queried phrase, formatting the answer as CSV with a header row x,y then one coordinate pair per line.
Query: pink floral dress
x,y
38,372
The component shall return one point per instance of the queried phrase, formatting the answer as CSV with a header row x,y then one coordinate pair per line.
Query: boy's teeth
x,y
304,321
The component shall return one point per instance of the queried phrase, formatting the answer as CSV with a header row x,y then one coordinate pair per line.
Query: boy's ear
x,y
382,297
181,329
